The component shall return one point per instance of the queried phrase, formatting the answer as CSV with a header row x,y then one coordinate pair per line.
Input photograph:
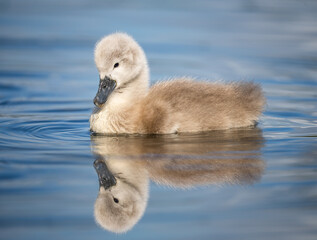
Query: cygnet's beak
x,y
106,87
106,178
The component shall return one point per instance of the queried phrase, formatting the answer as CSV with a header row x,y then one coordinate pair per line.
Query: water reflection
x,y
126,164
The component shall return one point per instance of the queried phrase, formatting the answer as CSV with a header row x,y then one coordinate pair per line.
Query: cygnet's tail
x,y
250,95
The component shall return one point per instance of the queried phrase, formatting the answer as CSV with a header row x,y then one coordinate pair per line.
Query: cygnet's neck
x,y
129,93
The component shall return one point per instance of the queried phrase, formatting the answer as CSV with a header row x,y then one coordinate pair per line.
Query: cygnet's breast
x,y
99,122
105,121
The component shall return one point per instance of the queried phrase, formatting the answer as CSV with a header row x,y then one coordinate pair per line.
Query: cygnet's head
x,y
121,201
121,63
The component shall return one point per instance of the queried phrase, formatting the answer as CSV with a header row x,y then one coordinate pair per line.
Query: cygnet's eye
x,y
116,200
116,65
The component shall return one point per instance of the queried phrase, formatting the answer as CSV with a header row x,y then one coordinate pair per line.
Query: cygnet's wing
x,y
184,105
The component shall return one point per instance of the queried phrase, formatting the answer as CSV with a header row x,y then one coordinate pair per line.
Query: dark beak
x,y
106,178
106,87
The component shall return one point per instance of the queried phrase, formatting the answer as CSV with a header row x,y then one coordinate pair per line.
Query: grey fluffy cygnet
x,y
125,103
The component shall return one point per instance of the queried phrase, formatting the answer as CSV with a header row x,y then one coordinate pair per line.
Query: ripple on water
x,y
38,122
42,131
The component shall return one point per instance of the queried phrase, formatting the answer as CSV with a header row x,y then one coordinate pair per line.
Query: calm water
x,y
240,184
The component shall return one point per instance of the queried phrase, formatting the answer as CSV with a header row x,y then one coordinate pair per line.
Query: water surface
x,y
248,184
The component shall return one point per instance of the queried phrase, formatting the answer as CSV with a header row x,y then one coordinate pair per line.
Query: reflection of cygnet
x,y
125,104
123,195
125,165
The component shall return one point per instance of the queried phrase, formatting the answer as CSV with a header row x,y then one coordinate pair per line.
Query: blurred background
x,y
48,80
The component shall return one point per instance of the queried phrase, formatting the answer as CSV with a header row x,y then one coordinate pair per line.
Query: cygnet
x,y
126,105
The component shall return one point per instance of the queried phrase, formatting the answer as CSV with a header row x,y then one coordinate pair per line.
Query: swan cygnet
x,y
125,103
123,194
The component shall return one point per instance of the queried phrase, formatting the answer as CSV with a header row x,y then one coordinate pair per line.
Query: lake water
x,y
256,183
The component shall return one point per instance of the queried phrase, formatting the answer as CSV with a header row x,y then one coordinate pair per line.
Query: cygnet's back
x,y
184,105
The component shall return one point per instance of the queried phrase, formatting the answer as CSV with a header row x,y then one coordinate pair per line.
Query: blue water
x,y
48,185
